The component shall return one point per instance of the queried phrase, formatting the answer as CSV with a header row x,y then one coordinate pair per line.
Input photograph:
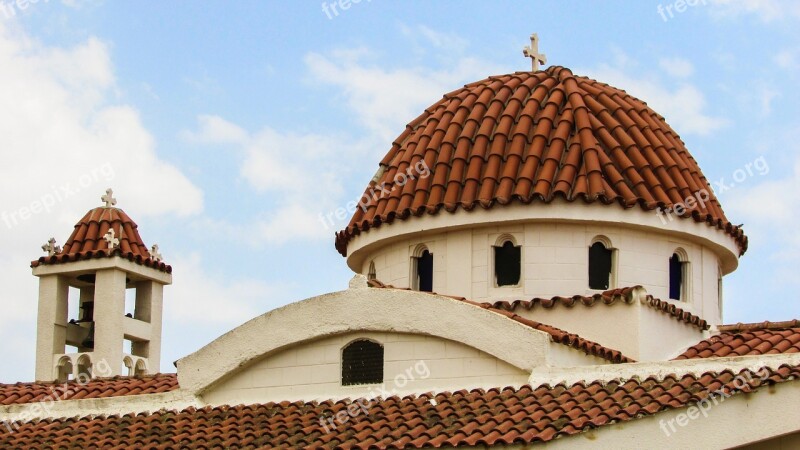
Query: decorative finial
x,y
51,248
154,254
532,52
113,242
109,198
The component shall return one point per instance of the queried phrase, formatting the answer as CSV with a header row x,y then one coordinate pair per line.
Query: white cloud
x,y
766,10
766,95
450,43
787,59
770,211
64,141
677,67
385,99
684,105
305,174
215,130
201,298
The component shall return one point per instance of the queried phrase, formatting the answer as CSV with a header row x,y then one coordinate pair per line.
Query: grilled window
x,y
599,266
362,363
372,273
507,260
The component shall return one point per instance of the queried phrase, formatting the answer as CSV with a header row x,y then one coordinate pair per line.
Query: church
x,y
538,264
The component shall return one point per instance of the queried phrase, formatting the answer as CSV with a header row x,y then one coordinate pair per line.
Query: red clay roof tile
x,y
764,338
87,240
538,136
522,415
610,297
19,393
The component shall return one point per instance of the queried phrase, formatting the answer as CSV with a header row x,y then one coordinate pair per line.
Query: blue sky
x,y
227,128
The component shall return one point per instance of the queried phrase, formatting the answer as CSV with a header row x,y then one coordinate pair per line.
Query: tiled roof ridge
x,y
527,137
30,392
748,340
678,313
87,242
499,416
766,325
556,334
626,295
609,297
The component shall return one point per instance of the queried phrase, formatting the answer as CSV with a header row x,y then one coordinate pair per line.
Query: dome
x,y
88,241
534,137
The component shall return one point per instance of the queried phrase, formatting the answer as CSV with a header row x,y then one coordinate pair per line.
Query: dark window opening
x,y
507,261
372,273
362,363
675,277
599,266
425,272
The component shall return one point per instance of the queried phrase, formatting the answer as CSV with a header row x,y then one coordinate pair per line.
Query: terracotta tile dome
x,y
533,137
87,240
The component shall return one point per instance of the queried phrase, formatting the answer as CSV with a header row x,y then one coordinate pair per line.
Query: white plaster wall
x,y
662,337
413,363
554,262
566,357
788,442
614,326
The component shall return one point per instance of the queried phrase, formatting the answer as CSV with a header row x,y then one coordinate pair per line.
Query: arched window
x,y
507,262
600,266
371,273
678,276
422,270
362,363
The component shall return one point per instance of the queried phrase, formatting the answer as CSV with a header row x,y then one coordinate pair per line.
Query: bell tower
x,y
103,263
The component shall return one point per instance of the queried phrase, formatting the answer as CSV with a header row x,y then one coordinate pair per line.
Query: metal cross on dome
x,y
532,52
109,198
51,248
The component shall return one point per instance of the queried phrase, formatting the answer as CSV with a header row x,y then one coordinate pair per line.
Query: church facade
x,y
538,264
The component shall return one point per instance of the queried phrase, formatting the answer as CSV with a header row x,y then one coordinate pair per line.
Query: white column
x,y
109,313
149,308
51,335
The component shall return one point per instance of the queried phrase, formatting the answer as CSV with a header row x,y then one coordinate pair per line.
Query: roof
x,y
87,240
532,137
556,334
764,338
20,393
624,295
522,415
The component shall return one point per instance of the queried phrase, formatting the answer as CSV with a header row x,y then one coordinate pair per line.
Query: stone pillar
x,y
51,337
109,314
149,308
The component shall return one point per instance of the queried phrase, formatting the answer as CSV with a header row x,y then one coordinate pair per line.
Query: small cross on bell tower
x,y
532,52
